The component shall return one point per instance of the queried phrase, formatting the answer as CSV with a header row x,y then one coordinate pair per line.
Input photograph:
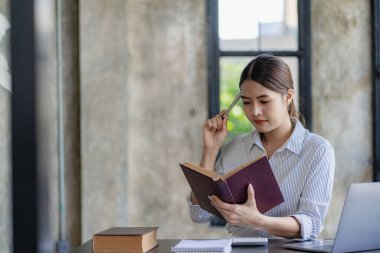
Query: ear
x,y
289,96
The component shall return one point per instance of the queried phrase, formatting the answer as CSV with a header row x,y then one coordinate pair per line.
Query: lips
x,y
259,121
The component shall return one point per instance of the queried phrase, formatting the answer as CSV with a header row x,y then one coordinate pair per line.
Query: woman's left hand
x,y
245,215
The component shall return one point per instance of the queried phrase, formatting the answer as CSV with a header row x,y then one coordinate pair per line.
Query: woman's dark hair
x,y
274,74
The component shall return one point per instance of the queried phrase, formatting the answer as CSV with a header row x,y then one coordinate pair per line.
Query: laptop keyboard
x,y
324,247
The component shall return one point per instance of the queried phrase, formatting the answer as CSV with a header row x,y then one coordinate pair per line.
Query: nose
x,y
256,109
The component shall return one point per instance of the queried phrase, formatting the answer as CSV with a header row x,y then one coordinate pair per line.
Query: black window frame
x,y
304,63
375,7
303,54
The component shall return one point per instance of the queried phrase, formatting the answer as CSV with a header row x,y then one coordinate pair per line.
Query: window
x,y
241,29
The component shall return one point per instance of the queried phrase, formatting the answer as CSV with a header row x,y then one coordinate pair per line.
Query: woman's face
x,y
264,108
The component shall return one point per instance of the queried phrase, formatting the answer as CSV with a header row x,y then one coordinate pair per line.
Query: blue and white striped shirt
x,y
304,168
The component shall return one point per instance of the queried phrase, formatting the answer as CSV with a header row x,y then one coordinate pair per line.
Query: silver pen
x,y
231,106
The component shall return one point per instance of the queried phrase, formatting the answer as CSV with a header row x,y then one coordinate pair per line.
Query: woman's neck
x,y
277,137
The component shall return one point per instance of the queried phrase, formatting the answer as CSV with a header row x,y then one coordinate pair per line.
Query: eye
x,y
265,101
246,102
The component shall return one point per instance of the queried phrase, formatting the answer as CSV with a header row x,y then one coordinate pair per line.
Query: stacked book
x,y
125,240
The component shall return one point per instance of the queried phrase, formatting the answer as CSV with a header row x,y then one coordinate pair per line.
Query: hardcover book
x,y
232,187
125,240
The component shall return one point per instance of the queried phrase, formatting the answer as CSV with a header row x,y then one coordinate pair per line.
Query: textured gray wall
x,y
167,81
143,72
5,170
70,52
142,101
342,92
103,107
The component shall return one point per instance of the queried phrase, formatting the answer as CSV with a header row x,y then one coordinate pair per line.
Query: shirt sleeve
x,y
197,214
316,193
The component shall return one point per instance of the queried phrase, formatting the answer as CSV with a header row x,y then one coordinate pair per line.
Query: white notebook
x,y
217,245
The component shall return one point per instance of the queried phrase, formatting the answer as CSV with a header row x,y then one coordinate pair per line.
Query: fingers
x,y
251,195
238,215
222,113
216,123
228,211
216,202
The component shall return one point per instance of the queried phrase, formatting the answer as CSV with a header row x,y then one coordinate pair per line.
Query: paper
x,y
218,245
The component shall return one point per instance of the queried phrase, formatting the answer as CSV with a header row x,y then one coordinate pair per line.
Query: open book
x,y
232,187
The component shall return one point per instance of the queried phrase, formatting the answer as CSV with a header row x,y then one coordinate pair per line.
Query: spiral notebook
x,y
217,245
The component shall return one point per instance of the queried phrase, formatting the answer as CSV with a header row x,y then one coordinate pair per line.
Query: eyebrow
x,y
258,97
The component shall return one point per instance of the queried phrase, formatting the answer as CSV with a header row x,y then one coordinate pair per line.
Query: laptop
x,y
359,224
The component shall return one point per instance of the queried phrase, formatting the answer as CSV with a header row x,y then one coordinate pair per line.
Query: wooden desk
x,y
164,246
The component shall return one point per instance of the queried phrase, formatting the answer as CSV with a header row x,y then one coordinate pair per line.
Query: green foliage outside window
x,y
230,70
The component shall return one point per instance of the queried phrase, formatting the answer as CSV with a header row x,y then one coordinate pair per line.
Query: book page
x,y
211,174
217,245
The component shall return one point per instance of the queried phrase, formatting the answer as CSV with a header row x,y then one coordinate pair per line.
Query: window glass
x,y
256,25
230,70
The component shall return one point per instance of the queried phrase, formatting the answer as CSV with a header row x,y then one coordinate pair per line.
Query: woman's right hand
x,y
214,132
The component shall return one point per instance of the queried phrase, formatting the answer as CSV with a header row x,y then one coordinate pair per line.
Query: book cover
x,y
125,240
232,187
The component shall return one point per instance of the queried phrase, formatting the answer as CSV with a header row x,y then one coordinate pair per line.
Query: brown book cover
x,y
232,187
125,240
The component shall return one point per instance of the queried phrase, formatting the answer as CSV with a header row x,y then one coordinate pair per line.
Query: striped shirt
x,y
304,169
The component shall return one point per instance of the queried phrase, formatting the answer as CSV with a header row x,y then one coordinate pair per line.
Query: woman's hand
x,y
214,132
245,215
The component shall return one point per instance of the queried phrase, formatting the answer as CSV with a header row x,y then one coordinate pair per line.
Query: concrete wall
x,y
143,100
5,130
103,107
167,104
70,53
135,76
341,48
5,170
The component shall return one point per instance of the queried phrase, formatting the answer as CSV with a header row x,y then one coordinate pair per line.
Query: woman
x,y
302,162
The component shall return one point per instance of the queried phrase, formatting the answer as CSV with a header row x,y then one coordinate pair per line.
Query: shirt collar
x,y
294,144
257,140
